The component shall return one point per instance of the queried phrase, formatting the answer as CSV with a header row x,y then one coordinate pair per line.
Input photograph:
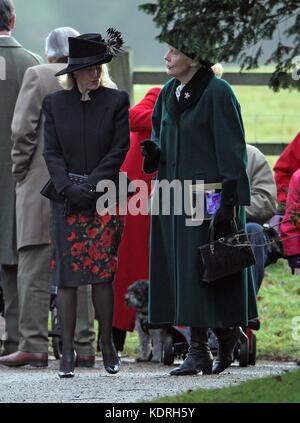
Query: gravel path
x,y
134,383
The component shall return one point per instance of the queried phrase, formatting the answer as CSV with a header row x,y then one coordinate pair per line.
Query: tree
x,y
222,31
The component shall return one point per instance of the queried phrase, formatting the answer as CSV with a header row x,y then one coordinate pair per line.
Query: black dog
x,y
151,340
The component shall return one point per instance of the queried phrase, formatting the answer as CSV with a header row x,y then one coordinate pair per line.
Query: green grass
x,y
278,389
278,305
131,348
268,116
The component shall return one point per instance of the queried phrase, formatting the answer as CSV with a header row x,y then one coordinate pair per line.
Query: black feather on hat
x,y
91,49
114,41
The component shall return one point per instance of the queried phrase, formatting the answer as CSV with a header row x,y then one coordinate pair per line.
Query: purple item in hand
x,y
213,202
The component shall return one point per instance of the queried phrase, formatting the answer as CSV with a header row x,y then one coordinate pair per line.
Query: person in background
x,y
290,226
287,177
284,168
286,171
33,220
261,209
14,60
133,258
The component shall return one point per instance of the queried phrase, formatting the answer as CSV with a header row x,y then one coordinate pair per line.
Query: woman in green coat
x,y
198,135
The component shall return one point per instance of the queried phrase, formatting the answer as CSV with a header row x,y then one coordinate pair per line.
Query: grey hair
x,y
7,11
57,44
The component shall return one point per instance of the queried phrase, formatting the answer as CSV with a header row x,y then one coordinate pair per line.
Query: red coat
x,y
133,259
292,246
286,165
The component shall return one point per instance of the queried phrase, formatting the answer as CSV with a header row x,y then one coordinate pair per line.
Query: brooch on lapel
x,y
187,95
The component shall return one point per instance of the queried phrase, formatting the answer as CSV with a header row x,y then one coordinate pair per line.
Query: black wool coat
x,y
85,137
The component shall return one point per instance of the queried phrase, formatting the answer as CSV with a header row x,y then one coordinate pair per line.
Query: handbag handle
x,y
211,231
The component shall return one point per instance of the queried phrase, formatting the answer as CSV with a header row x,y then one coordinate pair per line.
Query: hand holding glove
x,y
149,148
225,214
80,195
151,153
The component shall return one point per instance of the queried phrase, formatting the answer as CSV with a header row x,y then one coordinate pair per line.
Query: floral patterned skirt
x,y
84,246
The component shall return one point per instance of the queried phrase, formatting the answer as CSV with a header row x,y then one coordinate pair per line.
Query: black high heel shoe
x,y
69,372
110,367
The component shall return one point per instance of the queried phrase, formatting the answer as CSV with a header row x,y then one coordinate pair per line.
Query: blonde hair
x,y
218,70
67,81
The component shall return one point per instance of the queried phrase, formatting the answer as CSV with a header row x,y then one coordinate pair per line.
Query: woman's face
x,y
177,63
89,78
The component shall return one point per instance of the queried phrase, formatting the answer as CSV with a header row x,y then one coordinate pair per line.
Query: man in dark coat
x,y
14,60
198,135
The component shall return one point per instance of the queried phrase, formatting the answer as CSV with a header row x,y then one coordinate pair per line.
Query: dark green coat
x,y
16,60
201,138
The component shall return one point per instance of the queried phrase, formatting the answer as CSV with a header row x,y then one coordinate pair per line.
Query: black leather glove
x,y
80,195
151,153
225,214
149,148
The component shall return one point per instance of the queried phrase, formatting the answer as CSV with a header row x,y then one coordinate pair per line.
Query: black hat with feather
x,y
91,49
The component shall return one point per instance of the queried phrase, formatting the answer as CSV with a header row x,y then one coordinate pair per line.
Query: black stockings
x,y
103,301
67,305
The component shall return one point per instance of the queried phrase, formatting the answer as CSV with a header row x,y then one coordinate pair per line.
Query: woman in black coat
x,y
86,134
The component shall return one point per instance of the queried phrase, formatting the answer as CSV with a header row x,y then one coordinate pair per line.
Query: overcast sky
x,y
36,18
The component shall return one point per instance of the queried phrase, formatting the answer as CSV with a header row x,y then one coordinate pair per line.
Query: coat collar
x,y
9,42
190,94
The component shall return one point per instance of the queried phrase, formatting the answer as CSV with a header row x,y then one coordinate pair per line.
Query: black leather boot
x,y
227,338
199,357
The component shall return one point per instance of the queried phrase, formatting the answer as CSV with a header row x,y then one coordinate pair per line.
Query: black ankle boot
x,y
199,357
67,365
227,338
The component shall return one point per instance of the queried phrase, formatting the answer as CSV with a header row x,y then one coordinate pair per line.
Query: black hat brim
x,y
73,68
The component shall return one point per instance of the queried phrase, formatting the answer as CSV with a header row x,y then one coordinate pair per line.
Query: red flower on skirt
x,y
105,219
87,263
95,270
71,219
106,238
72,237
91,233
78,248
113,264
83,219
94,252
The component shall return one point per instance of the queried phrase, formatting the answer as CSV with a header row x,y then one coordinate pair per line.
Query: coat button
x,y
164,123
